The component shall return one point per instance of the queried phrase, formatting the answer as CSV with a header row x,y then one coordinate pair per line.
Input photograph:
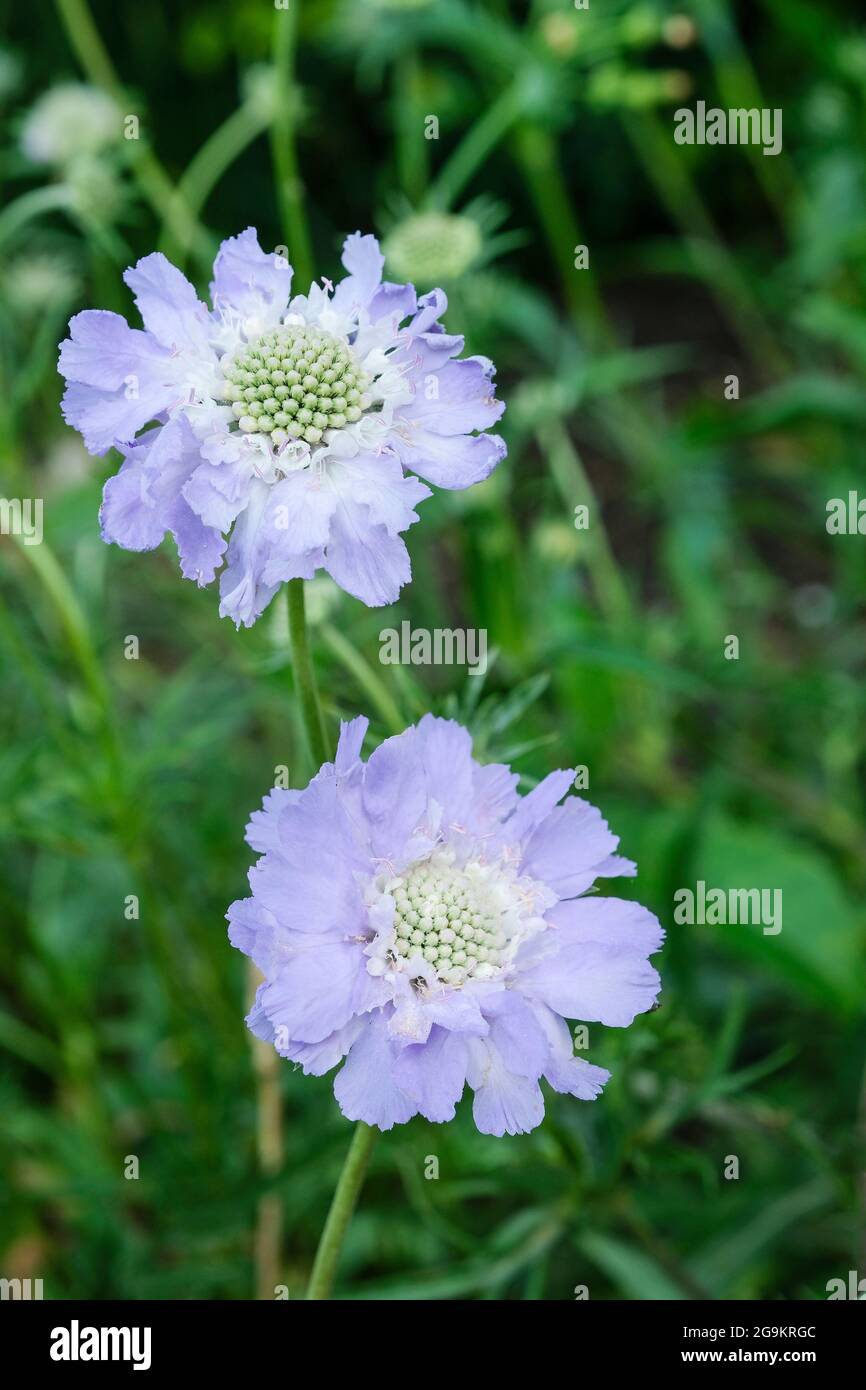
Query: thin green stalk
x,y
412,150
574,487
206,168
154,182
478,143
365,675
537,157
340,1214
714,261
289,188
311,710
54,197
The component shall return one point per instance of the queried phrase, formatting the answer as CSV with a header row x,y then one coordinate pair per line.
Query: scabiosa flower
x,y
417,917
292,423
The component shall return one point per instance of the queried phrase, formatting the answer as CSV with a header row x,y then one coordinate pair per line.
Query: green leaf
x,y
635,1274
819,948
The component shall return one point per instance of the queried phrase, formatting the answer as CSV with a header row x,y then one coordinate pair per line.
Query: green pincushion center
x,y
442,915
295,383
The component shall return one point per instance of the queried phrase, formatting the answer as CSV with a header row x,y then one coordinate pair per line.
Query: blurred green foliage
x,y
118,777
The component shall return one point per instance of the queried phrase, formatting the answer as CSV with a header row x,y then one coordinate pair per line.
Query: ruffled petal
x,y
262,832
120,379
516,1034
169,306
316,991
317,1058
365,1087
445,750
250,283
394,794
352,734
449,461
144,502
243,597
599,971
364,559
433,1074
365,263
567,849
571,1075
504,1102
378,483
457,399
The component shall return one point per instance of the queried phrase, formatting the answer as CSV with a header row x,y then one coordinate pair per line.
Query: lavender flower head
x,y
417,917
278,432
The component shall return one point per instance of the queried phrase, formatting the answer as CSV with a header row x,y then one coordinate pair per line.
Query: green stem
x,y
311,710
340,1213
476,146
33,204
289,189
155,184
365,675
206,168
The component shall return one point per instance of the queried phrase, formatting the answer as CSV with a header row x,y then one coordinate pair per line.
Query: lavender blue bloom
x,y
416,916
278,435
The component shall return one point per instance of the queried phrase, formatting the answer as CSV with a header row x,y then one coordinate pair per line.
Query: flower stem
x,y
311,709
290,192
340,1214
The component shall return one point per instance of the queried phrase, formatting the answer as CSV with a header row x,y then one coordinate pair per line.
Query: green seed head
x,y
448,918
295,382
432,247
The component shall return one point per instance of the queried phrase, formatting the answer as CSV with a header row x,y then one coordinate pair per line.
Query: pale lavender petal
x,y
119,379
394,796
571,1075
363,559
450,461
316,991
249,282
463,399
516,1034
351,738
445,749
262,832
364,262
169,306
218,493
317,1058
539,803
504,1103
567,848
608,981
365,1088
433,1075
379,484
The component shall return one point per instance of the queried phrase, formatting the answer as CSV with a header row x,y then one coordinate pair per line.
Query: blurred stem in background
x,y
413,161
85,42
204,172
269,1147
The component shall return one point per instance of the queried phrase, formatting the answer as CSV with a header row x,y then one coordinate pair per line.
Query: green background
x,y
125,1037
